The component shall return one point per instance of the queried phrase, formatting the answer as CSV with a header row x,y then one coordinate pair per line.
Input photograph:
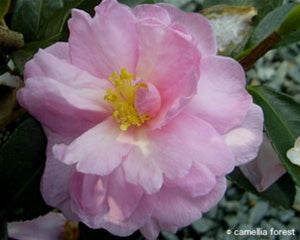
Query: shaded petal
x,y
95,42
98,151
47,227
88,194
198,182
222,99
202,36
246,139
168,213
150,230
147,100
55,179
137,219
264,170
70,101
171,63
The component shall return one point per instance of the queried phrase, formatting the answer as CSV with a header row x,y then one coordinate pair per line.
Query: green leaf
x,y
133,3
281,123
262,6
22,160
41,19
4,6
289,31
281,193
21,56
269,24
3,230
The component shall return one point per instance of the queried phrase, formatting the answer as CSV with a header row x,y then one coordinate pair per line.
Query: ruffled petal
x,y
197,26
98,151
222,99
144,11
95,42
173,149
88,194
245,140
170,62
264,170
47,227
55,179
198,182
70,101
168,214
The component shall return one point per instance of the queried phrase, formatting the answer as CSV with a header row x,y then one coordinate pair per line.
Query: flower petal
x,y
197,26
168,214
171,63
246,139
70,101
173,149
198,182
222,99
55,179
145,11
98,151
264,170
95,42
47,227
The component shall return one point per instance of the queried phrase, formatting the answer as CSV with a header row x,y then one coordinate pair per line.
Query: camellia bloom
x,y
143,119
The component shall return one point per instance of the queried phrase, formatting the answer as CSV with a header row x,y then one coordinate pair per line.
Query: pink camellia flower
x,y
143,119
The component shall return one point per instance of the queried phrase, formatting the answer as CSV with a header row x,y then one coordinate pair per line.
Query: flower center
x,y
122,99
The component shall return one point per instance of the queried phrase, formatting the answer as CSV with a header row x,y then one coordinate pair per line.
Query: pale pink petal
x,y
150,230
137,219
222,99
245,140
198,182
70,101
197,26
60,50
154,152
47,227
56,177
147,100
98,151
171,63
264,170
106,43
152,11
88,194
175,208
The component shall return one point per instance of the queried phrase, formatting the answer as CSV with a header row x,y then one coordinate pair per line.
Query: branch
x,y
10,39
259,51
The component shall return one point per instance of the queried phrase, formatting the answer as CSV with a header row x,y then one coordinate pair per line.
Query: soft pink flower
x,y
144,120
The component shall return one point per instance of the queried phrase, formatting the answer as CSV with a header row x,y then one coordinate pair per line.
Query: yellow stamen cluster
x,y
122,98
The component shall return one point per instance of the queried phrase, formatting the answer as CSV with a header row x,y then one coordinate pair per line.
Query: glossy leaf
x,y
4,6
133,3
269,24
41,19
281,193
22,160
289,31
281,123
